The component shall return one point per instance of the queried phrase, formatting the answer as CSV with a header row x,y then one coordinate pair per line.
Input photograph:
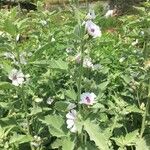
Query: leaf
x,y
6,85
96,135
38,53
68,143
71,94
131,138
55,64
4,105
126,78
9,27
19,139
103,85
61,106
55,124
141,144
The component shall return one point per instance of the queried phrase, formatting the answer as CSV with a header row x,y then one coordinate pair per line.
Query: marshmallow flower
x,y
71,117
17,77
92,29
87,63
91,15
109,13
87,98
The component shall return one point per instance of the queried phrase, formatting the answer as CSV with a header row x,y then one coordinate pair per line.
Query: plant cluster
x,y
74,81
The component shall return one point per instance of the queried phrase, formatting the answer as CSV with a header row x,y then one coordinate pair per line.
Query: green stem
x,y
144,119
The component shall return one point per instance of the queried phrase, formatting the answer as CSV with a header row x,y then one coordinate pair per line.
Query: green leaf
x,y
9,27
61,106
6,85
71,94
55,124
141,144
96,135
38,53
4,105
18,139
68,143
126,78
103,85
55,64
131,138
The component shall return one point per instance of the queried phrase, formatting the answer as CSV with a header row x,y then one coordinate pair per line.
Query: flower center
x,y
88,99
92,30
15,77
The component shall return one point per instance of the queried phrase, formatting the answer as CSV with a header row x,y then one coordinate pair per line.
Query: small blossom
x,y
97,66
9,55
71,117
135,42
17,37
87,63
53,39
92,29
69,50
36,141
109,13
88,98
37,99
49,101
22,58
43,22
122,59
17,77
91,15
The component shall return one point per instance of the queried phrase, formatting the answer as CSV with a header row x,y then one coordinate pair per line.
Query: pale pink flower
x,y
87,63
71,117
92,29
88,98
17,77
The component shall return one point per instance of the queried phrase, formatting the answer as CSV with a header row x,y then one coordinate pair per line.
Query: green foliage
x,y
48,51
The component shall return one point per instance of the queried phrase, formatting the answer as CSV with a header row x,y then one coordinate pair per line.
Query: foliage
x,y
44,46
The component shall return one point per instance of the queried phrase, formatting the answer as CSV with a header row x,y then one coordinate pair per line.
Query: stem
x,y
144,119
114,124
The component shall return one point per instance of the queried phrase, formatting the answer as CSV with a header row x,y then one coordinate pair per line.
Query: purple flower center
x,y
15,77
92,30
88,99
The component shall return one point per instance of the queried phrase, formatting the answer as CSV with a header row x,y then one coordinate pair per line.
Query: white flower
x,y
43,22
69,50
36,141
87,98
37,99
53,39
17,37
22,58
71,117
122,59
9,55
97,66
91,15
71,106
135,42
109,13
49,101
92,29
87,63
17,77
